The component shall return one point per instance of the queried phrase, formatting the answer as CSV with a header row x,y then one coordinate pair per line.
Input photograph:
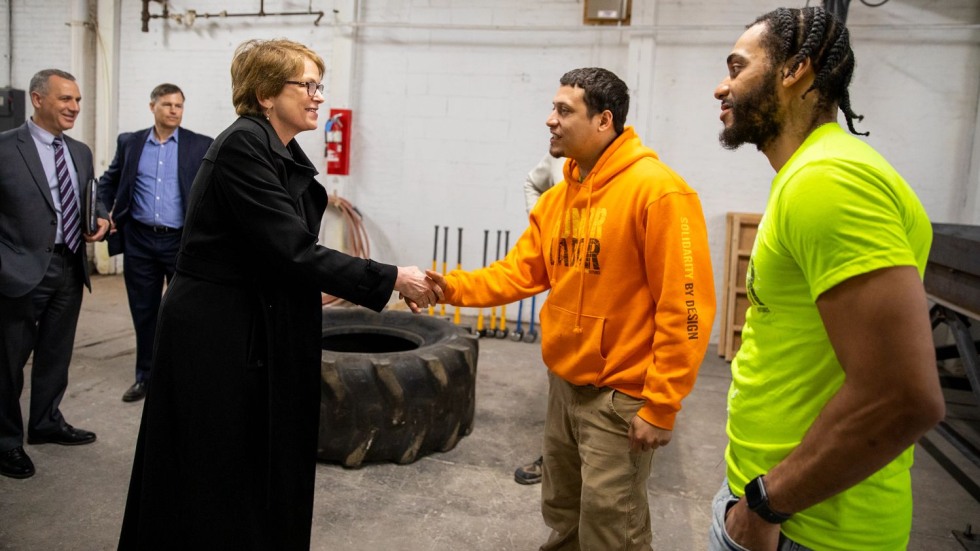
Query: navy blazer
x,y
117,184
28,220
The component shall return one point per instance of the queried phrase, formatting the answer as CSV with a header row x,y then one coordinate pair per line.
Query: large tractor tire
x,y
395,386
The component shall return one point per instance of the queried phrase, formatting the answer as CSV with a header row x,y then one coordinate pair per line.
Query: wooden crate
x,y
741,228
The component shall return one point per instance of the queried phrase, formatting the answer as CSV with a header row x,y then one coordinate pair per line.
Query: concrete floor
x,y
463,499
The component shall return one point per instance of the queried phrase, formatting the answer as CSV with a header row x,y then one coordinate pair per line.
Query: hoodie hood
x,y
625,150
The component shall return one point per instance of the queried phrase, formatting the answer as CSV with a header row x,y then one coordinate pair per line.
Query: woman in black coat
x,y
226,452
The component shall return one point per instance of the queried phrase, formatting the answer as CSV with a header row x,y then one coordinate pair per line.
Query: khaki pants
x,y
594,491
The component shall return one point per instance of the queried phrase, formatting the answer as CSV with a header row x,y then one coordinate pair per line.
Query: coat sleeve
x,y
520,274
109,181
538,181
246,178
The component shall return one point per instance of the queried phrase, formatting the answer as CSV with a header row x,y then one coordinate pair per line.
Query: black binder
x,y
90,198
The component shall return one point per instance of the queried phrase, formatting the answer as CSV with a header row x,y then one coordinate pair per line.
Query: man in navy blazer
x,y
146,189
43,266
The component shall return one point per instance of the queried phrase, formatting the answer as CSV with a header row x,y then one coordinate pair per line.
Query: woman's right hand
x,y
416,289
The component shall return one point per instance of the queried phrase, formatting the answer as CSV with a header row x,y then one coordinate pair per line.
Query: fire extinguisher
x,y
336,133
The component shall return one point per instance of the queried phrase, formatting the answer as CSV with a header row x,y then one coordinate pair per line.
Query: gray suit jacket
x,y
27,215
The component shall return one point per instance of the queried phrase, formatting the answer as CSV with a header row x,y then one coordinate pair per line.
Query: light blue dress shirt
x,y
156,196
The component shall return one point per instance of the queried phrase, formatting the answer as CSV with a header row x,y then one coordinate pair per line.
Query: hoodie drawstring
x,y
574,250
587,221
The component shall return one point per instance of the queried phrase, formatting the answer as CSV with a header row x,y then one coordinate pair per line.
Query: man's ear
x,y
803,72
605,120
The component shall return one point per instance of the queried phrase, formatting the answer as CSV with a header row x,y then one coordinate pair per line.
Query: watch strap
x,y
757,499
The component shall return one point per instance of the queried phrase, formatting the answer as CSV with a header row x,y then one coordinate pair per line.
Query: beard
x,y
556,151
755,117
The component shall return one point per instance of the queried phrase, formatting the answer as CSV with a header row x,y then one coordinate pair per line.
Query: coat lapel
x,y
299,177
184,180
80,160
28,150
133,159
308,196
301,173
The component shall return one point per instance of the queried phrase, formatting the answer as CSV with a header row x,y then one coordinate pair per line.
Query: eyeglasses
x,y
311,87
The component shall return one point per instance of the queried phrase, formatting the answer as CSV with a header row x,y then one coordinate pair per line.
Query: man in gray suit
x,y
43,265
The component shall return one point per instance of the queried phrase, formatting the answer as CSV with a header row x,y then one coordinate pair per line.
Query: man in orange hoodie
x,y
622,245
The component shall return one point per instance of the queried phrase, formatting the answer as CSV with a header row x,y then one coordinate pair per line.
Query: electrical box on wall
x,y
12,108
607,12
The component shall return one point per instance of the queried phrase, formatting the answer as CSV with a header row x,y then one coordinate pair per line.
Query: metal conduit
x,y
357,24
189,16
632,28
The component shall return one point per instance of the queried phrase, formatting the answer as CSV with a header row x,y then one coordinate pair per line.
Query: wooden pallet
x,y
741,228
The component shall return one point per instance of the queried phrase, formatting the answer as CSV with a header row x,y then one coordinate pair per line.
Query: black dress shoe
x,y
136,392
15,464
67,436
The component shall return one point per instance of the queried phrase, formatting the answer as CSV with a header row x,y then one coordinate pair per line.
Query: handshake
x,y
419,289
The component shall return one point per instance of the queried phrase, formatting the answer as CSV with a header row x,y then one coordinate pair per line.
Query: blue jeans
x,y
718,539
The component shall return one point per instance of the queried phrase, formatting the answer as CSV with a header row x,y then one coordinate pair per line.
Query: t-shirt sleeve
x,y
842,221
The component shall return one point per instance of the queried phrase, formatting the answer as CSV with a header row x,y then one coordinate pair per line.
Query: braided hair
x,y
812,32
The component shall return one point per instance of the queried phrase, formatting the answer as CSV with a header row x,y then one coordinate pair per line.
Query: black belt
x,y
158,229
62,249
163,229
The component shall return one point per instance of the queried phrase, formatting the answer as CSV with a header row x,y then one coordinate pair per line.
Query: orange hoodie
x,y
625,254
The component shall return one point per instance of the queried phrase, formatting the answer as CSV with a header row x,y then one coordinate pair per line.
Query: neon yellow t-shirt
x,y
836,210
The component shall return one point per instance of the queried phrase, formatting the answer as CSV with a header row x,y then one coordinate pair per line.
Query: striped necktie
x,y
70,223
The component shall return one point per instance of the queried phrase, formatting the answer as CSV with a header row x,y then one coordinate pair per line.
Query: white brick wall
x,y
41,37
6,78
449,121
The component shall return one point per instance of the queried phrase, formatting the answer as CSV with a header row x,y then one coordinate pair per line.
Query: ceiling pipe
x,y
189,16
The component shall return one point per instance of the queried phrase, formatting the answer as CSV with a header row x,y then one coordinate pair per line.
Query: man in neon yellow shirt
x,y
835,379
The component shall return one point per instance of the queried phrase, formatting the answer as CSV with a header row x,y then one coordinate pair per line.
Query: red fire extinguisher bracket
x,y
336,134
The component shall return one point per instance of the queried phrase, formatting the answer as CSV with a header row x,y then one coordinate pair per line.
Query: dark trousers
x,y
150,258
43,322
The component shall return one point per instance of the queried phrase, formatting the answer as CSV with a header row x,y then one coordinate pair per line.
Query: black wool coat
x,y
226,452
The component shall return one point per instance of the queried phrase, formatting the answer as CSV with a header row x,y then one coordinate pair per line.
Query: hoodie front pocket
x,y
577,356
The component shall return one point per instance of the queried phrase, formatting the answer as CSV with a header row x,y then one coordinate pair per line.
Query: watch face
x,y
758,501
755,493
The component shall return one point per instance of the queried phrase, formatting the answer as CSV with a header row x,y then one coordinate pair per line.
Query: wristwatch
x,y
758,502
